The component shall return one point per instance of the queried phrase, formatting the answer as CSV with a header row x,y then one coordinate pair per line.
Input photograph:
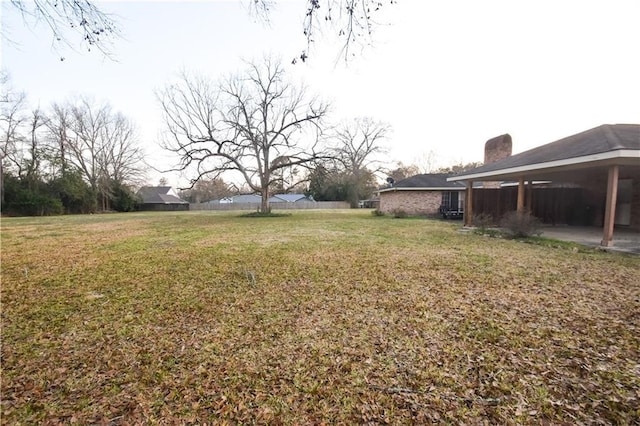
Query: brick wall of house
x,y
414,203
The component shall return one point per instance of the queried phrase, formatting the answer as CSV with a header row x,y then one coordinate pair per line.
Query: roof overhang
x,y
444,188
164,203
622,157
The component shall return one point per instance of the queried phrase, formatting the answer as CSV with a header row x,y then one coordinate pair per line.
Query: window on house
x,y
451,200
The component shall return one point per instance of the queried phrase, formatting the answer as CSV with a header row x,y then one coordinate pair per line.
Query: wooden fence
x,y
571,206
300,205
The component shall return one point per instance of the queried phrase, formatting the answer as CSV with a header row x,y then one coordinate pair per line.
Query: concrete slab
x,y
624,240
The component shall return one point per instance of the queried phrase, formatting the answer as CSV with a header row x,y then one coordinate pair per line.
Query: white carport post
x,y
610,208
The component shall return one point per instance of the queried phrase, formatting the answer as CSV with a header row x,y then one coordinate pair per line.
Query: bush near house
x,y
521,224
399,214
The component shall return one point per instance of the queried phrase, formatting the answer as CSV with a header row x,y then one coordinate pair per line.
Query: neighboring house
x,y
603,163
257,198
161,198
371,203
291,198
246,198
423,195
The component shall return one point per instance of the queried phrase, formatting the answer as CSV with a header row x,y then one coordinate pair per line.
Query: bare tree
x,y
30,156
22,149
60,127
352,21
426,161
12,114
12,117
360,144
121,156
95,28
459,167
358,153
287,179
254,124
206,190
402,171
102,144
84,143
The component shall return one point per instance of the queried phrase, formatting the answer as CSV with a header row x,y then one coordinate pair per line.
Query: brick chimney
x,y
496,149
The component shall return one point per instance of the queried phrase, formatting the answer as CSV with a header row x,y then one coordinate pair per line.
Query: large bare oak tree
x,y
256,124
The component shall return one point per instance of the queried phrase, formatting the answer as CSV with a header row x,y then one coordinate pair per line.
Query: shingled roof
x,y
426,182
159,195
600,143
289,198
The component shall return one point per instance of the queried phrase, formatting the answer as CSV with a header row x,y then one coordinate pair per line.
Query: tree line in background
x,y
75,157
254,127
80,157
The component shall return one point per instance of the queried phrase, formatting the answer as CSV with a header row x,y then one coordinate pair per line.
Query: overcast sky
x,y
446,75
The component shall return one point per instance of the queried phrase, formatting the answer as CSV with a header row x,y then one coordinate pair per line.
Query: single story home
x,y
423,195
291,198
602,163
257,198
244,198
161,198
223,200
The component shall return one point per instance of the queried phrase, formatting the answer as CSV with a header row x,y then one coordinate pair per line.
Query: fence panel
x,y
553,205
301,205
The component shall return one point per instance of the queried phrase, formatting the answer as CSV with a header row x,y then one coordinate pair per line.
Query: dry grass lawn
x,y
333,317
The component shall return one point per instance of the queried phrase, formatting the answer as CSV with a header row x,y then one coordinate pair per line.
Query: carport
x,y
627,241
604,160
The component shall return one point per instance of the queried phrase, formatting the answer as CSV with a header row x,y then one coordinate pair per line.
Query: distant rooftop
x,y
427,181
159,195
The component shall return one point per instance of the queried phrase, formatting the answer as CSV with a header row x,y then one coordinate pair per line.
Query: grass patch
x,y
558,244
323,316
265,214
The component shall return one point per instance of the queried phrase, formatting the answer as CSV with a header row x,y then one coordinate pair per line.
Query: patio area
x,y
624,240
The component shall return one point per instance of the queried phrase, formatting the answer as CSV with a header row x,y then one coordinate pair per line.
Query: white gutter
x,y
610,155
445,188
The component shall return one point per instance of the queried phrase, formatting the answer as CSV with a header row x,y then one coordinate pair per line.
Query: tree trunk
x,y
1,183
264,205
